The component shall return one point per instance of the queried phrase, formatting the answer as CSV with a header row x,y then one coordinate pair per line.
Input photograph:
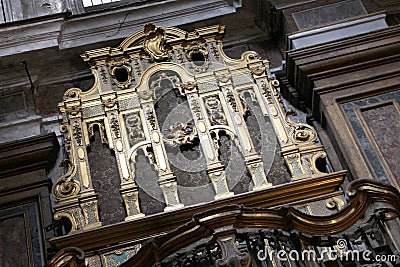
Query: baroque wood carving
x,y
121,103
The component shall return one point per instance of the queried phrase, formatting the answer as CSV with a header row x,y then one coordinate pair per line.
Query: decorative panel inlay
x,y
20,244
382,121
375,121
180,118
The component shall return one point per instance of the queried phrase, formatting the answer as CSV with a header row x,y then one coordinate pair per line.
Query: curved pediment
x,y
153,39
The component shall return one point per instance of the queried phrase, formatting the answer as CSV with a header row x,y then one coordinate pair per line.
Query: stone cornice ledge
x,y
29,35
66,31
119,23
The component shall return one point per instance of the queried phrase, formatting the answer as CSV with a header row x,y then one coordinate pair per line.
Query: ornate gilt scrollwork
x,y
73,93
127,119
250,56
300,132
66,185
154,43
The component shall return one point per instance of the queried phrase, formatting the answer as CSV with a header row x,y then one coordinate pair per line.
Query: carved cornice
x,y
362,194
315,70
27,155
82,30
295,192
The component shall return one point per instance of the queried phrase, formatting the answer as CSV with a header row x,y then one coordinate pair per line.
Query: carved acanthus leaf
x,y
114,125
77,133
181,134
154,44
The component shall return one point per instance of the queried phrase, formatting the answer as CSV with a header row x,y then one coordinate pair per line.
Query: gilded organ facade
x,y
130,82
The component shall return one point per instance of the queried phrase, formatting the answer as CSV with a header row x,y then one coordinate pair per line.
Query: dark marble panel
x,y
328,13
13,242
187,162
266,144
106,181
279,173
151,199
20,237
383,122
238,178
350,109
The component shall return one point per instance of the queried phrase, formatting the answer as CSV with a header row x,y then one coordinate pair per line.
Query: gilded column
x,y
117,141
215,169
236,120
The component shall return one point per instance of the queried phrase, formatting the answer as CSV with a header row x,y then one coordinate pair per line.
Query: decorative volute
x,y
121,104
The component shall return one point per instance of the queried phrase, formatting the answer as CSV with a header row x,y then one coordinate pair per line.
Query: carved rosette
x,y
300,132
